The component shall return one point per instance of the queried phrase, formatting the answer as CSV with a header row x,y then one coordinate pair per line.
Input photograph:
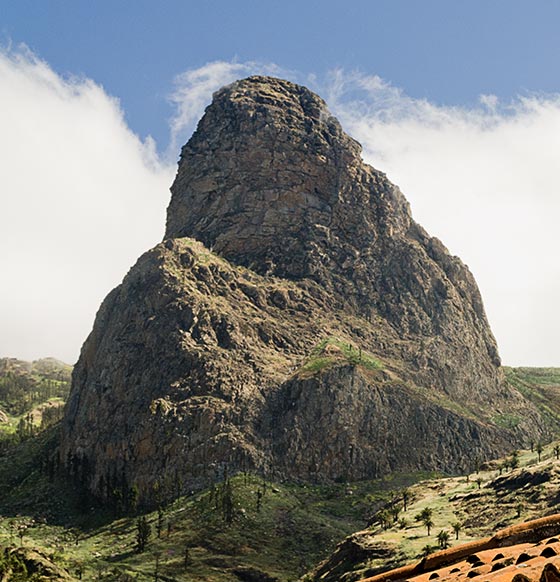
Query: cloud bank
x,y
484,179
80,197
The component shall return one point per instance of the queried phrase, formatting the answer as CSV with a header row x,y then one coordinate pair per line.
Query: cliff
x,y
295,320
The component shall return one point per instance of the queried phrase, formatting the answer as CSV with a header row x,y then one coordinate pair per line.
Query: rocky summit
x,y
295,320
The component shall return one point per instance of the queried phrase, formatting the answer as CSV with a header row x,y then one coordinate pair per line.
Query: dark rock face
x,y
210,354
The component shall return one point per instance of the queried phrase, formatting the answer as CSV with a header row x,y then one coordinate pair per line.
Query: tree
x,y
159,523
428,522
443,539
456,529
426,512
557,451
425,516
228,503
143,532
157,556
539,450
22,528
405,497
384,519
426,551
514,460
133,497
79,568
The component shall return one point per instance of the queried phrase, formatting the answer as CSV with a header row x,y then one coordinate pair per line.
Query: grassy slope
x,y
539,385
296,527
481,503
333,351
40,384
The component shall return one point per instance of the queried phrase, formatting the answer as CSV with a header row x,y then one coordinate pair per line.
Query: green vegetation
x,y
443,539
334,351
32,396
542,387
23,385
506,420
244,522
437,509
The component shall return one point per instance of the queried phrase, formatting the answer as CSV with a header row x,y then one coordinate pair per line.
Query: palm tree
x,y
443,539
406,494
428,522
456,528
425,516
426,550
426,512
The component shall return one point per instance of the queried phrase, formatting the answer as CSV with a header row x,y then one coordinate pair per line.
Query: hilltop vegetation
x,y
32,396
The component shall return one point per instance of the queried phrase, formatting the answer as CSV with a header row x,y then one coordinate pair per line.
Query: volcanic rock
x,y
295,320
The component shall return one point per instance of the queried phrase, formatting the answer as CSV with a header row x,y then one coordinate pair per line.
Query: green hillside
x,y
240,528
539,385
32,396
245,527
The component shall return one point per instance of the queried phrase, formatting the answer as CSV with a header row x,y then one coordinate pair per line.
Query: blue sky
x,y
446,51
458,102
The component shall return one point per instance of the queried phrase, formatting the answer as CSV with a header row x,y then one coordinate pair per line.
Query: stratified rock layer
x,y
315,331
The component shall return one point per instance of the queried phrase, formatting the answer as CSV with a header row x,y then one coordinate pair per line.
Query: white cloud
x,y
81,197
483,179
194,89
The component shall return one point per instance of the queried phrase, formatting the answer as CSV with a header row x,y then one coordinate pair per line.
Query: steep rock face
x,y
315,330
270,181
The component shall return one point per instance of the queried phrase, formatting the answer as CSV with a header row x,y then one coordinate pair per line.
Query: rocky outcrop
x,y
356,549
30,564
295,320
